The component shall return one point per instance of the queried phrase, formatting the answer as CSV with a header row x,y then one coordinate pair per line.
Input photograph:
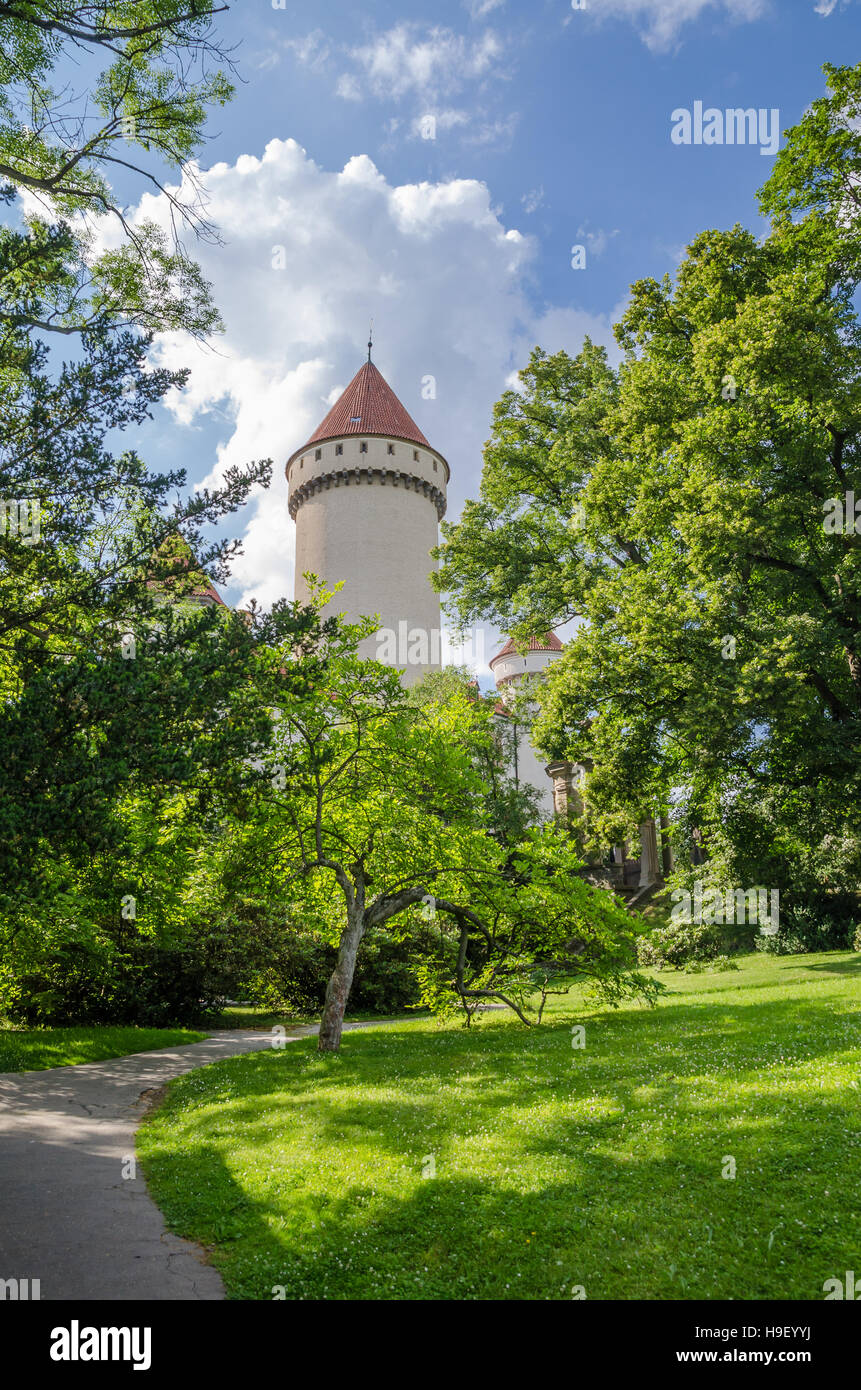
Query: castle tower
x,y
367,493
511,669
510,666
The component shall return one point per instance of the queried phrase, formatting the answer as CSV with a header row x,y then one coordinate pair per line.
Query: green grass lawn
x,y
38,1048
251,1016
554,1167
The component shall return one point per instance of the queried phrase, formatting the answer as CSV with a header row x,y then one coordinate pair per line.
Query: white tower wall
x,y
370,517
510,670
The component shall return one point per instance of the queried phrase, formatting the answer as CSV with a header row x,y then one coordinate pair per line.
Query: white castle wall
x,y
513,665
371,518
509,672
531,769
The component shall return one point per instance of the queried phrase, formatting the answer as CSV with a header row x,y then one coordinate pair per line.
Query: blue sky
x,y
582,105
553,128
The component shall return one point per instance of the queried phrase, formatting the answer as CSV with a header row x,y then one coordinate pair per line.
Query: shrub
x,y
678,943
142,984
295,975
116,974
818,925
696,967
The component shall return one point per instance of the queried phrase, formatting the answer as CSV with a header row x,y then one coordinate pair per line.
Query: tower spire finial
x,y
370,339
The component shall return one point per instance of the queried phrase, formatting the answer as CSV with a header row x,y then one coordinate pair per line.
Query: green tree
x,y
677,509
120,763
376,809
510,807
108,691
70,143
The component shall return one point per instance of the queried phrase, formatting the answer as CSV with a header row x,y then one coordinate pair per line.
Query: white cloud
x,y
479,8
312,51
411,60
435,121
596,242
476,127
424,66
347,87
435,266
557,329
661,21
483,131
269,551
533,200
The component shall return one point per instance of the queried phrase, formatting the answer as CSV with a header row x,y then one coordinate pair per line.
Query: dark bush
x,y
295,975
827,924
143,984
257,955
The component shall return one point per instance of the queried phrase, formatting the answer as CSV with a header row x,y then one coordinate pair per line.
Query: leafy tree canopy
x,y
377,810
70,133
678,509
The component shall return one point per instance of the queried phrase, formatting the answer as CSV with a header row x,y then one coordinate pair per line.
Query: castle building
x,y
367,492
513,672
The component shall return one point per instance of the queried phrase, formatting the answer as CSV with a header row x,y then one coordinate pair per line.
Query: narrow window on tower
x,y
318,454
391,448
363,448
415,455
434,466
339,448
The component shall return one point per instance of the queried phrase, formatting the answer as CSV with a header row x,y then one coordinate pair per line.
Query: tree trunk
x,y
340,983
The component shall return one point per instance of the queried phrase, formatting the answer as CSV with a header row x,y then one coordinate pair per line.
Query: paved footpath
x,y
67,1216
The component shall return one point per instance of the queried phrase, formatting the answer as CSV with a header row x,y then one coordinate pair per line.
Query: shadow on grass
x,y
608,1172
697,1062
615,1231
852,966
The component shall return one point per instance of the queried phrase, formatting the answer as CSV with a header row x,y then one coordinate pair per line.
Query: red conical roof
x,y
548,643
368,406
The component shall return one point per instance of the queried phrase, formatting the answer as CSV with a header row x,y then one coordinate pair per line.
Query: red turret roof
x,y
548,643
204,593
187,581
368,406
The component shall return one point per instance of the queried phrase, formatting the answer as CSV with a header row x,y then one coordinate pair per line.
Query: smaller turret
x,y
509,666
512,671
